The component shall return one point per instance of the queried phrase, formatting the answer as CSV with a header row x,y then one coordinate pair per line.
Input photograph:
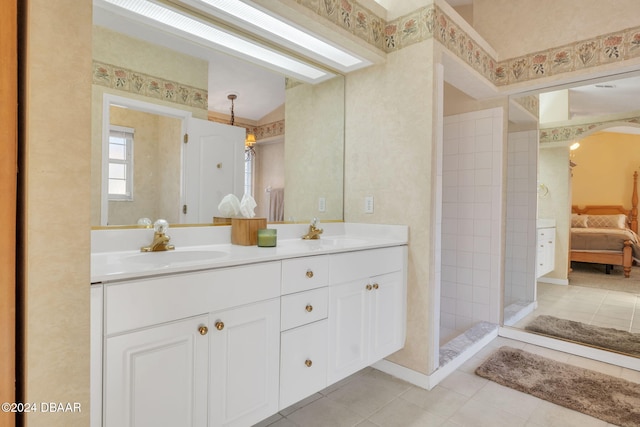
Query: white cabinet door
x,y
245,346
387,316
545,254
303,362
366,323
348,329
158,376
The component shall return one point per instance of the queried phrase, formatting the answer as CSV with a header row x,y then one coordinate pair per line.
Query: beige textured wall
x,y
313,154
606,163
56,241
388,155
553,171
518,27
135,54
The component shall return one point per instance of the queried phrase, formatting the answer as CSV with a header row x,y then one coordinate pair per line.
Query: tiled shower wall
x,y
522,196
471,227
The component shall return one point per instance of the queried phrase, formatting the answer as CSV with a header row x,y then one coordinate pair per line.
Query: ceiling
x,y
605,98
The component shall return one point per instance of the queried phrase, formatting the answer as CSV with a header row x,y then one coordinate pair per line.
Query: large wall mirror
x,y
586,146
151,86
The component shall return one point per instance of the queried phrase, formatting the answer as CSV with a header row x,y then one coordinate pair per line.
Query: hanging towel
x,y
276,205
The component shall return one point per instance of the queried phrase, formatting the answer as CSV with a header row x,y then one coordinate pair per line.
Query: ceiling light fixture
x,y
206,33
253,19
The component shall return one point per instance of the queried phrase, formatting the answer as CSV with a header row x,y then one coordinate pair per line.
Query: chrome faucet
x,y
160,238
314,232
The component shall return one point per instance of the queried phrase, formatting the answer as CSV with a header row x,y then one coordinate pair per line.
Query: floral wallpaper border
x,y
261,132
431,21
568,133
119,78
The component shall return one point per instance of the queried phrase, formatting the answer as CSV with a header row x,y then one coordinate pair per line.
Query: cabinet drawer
x,y
146,302
303,362
306,273
304,307
351,266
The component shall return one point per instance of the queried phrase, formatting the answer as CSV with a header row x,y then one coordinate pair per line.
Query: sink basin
x,y
166,258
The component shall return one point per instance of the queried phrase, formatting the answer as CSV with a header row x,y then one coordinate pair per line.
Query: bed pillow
x,y
579,221
607,221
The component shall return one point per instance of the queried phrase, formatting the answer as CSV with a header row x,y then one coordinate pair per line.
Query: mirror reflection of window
x,y
248,175
120,180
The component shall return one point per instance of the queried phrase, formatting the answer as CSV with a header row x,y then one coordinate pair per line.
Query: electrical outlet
x,y
368,204
322,204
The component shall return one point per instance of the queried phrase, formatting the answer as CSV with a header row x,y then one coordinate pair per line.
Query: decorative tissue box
x,y
244,231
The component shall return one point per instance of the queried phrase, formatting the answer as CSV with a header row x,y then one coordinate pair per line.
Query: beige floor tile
x,y
324,413
520,404
300,404
284,423
594,365
401,413
475,413
364,395
269,421
439,400
630,375
550,415
545,352
342,382
366,423
463,383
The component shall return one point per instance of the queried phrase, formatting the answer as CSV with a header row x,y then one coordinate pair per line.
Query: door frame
x,y
8,203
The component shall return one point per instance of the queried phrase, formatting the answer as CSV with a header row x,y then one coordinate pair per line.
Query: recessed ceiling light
x,y
263,23
206,33
605,86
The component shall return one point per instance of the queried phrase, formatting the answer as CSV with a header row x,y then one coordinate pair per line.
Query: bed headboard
x,y
632,214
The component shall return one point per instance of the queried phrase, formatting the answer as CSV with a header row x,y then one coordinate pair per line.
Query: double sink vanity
x,y
215,334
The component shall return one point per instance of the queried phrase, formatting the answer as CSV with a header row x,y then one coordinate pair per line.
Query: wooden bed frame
x,y
623,258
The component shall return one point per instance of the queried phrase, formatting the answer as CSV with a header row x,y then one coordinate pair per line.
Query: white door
x,y
245,365
157,377
213,168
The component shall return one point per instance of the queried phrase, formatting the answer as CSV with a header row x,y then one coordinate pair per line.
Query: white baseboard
x,y
428,381
553,281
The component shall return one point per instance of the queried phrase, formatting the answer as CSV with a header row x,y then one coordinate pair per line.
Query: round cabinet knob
x,y
203,330
309,308
309,274
375,286
219,325
308,363
369,287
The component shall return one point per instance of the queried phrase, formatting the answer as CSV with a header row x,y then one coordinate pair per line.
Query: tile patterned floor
x,y
371,398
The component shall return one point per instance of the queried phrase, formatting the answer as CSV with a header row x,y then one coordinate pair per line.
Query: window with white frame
x,y
120,178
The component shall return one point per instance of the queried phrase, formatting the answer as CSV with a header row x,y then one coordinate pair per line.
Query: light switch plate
x,y
368,204
322,204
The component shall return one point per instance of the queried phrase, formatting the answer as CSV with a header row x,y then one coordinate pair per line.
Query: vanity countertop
x,y
116,255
